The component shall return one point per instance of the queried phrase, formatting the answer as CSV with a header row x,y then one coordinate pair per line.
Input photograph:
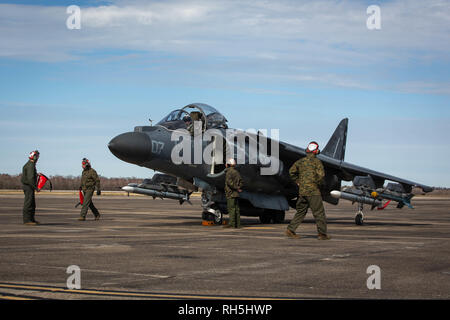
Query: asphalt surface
x,y
156,249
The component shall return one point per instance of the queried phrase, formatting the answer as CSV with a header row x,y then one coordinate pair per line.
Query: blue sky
x,y
297,66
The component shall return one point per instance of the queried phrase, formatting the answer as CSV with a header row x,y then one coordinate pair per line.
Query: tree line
x,y
8,181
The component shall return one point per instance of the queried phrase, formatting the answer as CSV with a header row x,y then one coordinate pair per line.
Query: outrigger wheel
x,y
359,218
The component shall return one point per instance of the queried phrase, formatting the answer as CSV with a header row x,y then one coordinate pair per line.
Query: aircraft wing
x,y
380,177
346,171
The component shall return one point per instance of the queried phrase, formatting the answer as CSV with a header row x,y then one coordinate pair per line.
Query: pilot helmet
x,y
34,155
85,163
313,147
195,115
231,162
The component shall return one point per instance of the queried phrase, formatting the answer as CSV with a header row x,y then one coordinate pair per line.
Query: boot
x,y
81,219
292,234
322,236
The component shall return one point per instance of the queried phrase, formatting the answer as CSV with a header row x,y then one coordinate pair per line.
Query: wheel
x,y
265,218
359,219
218,217
207,216
278,217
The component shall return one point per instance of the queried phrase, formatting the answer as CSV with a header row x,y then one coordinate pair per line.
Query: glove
x,y
99,192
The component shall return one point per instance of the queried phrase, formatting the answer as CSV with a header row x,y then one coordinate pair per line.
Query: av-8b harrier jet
x,y
267,194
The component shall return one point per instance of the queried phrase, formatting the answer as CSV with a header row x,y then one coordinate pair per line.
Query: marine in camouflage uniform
x,y
89,182
308,173
233,185
29,185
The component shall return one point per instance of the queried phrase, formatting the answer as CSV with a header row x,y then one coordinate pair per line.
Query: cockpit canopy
x,y
181,118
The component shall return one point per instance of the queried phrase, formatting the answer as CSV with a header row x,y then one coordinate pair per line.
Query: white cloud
x,y
318,36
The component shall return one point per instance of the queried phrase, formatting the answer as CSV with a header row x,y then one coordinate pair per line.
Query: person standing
x,y
233,186
29,186
89,182
308,173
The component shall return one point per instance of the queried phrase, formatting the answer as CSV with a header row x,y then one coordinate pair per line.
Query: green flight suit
x,y
308,173
233,182
89,182
29,185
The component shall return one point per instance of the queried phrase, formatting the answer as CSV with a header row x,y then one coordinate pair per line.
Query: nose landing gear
x,y
210,210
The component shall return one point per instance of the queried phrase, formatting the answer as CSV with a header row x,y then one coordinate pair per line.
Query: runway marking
x,y
7,296
157,276
43,288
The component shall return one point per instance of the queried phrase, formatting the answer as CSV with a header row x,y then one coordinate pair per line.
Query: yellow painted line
x,y
130,294
13,298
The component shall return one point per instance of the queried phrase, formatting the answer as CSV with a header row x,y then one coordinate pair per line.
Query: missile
x,y
355,198
160,194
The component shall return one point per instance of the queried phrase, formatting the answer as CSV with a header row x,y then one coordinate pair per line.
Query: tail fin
x,y
335,147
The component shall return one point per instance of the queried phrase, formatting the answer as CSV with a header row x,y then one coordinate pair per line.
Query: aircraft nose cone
x,y
133,147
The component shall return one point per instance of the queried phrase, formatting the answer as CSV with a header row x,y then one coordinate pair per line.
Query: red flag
x,y
81,197
42,180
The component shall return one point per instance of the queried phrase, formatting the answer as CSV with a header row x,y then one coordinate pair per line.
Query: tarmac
x,y
157,249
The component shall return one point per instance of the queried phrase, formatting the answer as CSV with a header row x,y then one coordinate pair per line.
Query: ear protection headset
x,y
85,163
231,162
313,147
34,155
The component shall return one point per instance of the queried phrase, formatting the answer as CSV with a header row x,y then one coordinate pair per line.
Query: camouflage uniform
x,y
233,183
89,182
29,185
308,173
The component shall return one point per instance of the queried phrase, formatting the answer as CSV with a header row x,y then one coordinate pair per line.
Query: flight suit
x,y
194,127
233,182
29,185
89,182
190,128
308,173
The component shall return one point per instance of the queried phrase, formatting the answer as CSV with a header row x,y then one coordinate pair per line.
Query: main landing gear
x,y
274,216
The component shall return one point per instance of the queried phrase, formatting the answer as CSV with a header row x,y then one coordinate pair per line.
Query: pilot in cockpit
x,y
208,116
187,120
194,116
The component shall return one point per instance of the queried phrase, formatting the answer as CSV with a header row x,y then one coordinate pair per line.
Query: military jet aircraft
x,y
266,196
